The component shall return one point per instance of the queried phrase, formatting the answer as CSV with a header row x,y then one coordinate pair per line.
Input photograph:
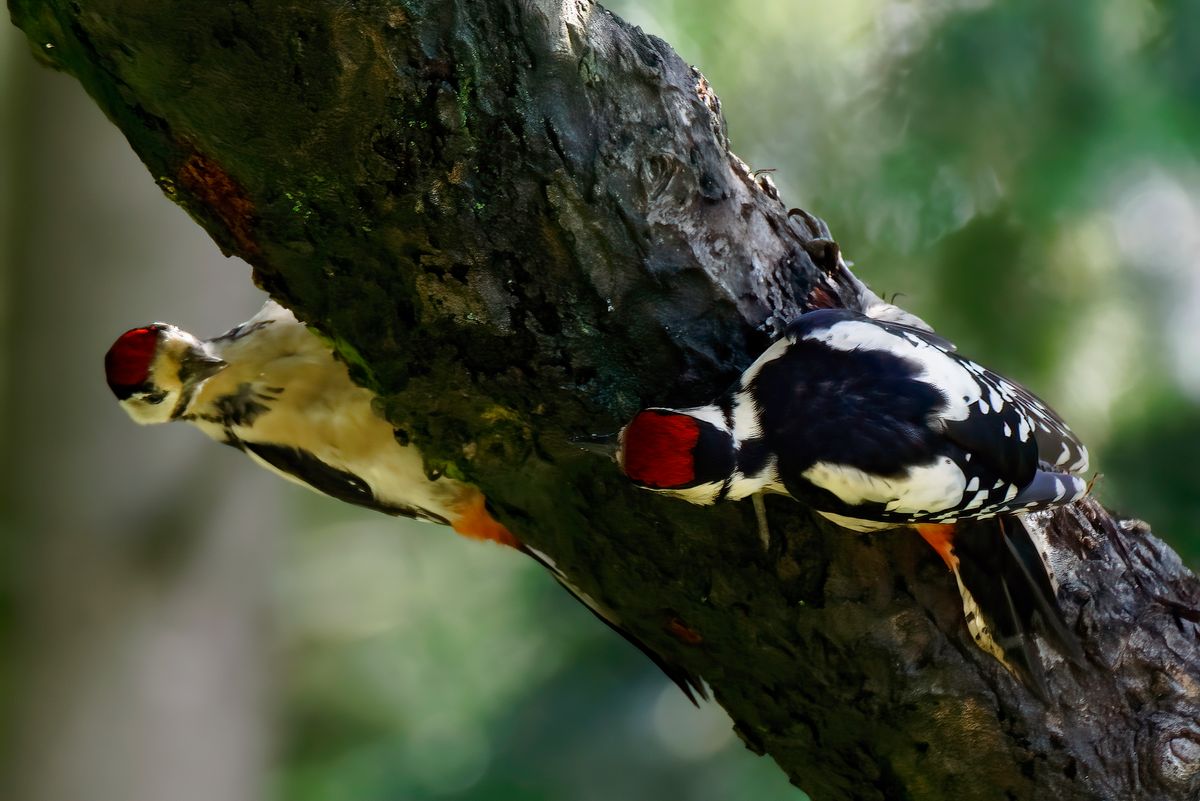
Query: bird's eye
x,y
155,398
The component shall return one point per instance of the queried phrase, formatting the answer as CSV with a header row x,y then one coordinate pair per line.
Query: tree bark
x,y
519,220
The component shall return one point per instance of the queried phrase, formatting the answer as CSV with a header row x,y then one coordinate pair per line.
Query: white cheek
x,y
147,414
701,495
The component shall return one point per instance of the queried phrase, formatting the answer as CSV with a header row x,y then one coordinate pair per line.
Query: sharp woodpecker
x,y
274,390
876,424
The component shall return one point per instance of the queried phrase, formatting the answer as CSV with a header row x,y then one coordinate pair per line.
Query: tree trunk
x,y
520,221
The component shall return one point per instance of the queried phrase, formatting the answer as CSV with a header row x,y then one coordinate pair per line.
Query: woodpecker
x,y
273,389
876,424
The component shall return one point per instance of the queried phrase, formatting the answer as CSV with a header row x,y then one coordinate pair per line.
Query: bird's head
x,y
153,370
686,452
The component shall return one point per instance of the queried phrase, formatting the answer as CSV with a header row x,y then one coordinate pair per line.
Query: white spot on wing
x,y
1078,487
1060,489
1081,463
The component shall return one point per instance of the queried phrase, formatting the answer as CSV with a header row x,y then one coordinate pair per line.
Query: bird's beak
x,y
197,365
598,444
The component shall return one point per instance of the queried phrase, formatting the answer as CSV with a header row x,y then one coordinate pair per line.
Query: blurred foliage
x,y
1024,174
537,701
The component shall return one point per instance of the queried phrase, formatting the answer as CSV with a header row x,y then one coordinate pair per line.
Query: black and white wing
x,y
1057,445
903,429
304,468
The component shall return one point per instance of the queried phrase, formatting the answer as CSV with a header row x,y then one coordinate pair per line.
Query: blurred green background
x,y
179,625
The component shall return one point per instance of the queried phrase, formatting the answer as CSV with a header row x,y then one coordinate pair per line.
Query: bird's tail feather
x,y
1007,593
688,682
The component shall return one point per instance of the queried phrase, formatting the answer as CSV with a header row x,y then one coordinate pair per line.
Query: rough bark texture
x,y
520,221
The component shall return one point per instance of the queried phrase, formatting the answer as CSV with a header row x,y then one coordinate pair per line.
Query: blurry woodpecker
x,y
273,389
876,424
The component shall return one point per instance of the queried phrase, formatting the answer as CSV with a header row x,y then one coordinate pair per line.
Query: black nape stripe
x,y
239,408
726,407
239,331
712,455
752,456
127,391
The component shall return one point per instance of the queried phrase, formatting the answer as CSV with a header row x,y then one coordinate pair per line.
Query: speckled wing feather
x,y
1057,445
987,447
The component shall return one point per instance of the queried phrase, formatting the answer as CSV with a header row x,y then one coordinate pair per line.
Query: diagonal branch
x,y
520,221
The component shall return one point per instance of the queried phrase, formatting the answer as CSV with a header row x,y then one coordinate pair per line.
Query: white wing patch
x,y
959,386
979,410
977,501
924,489
968,387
